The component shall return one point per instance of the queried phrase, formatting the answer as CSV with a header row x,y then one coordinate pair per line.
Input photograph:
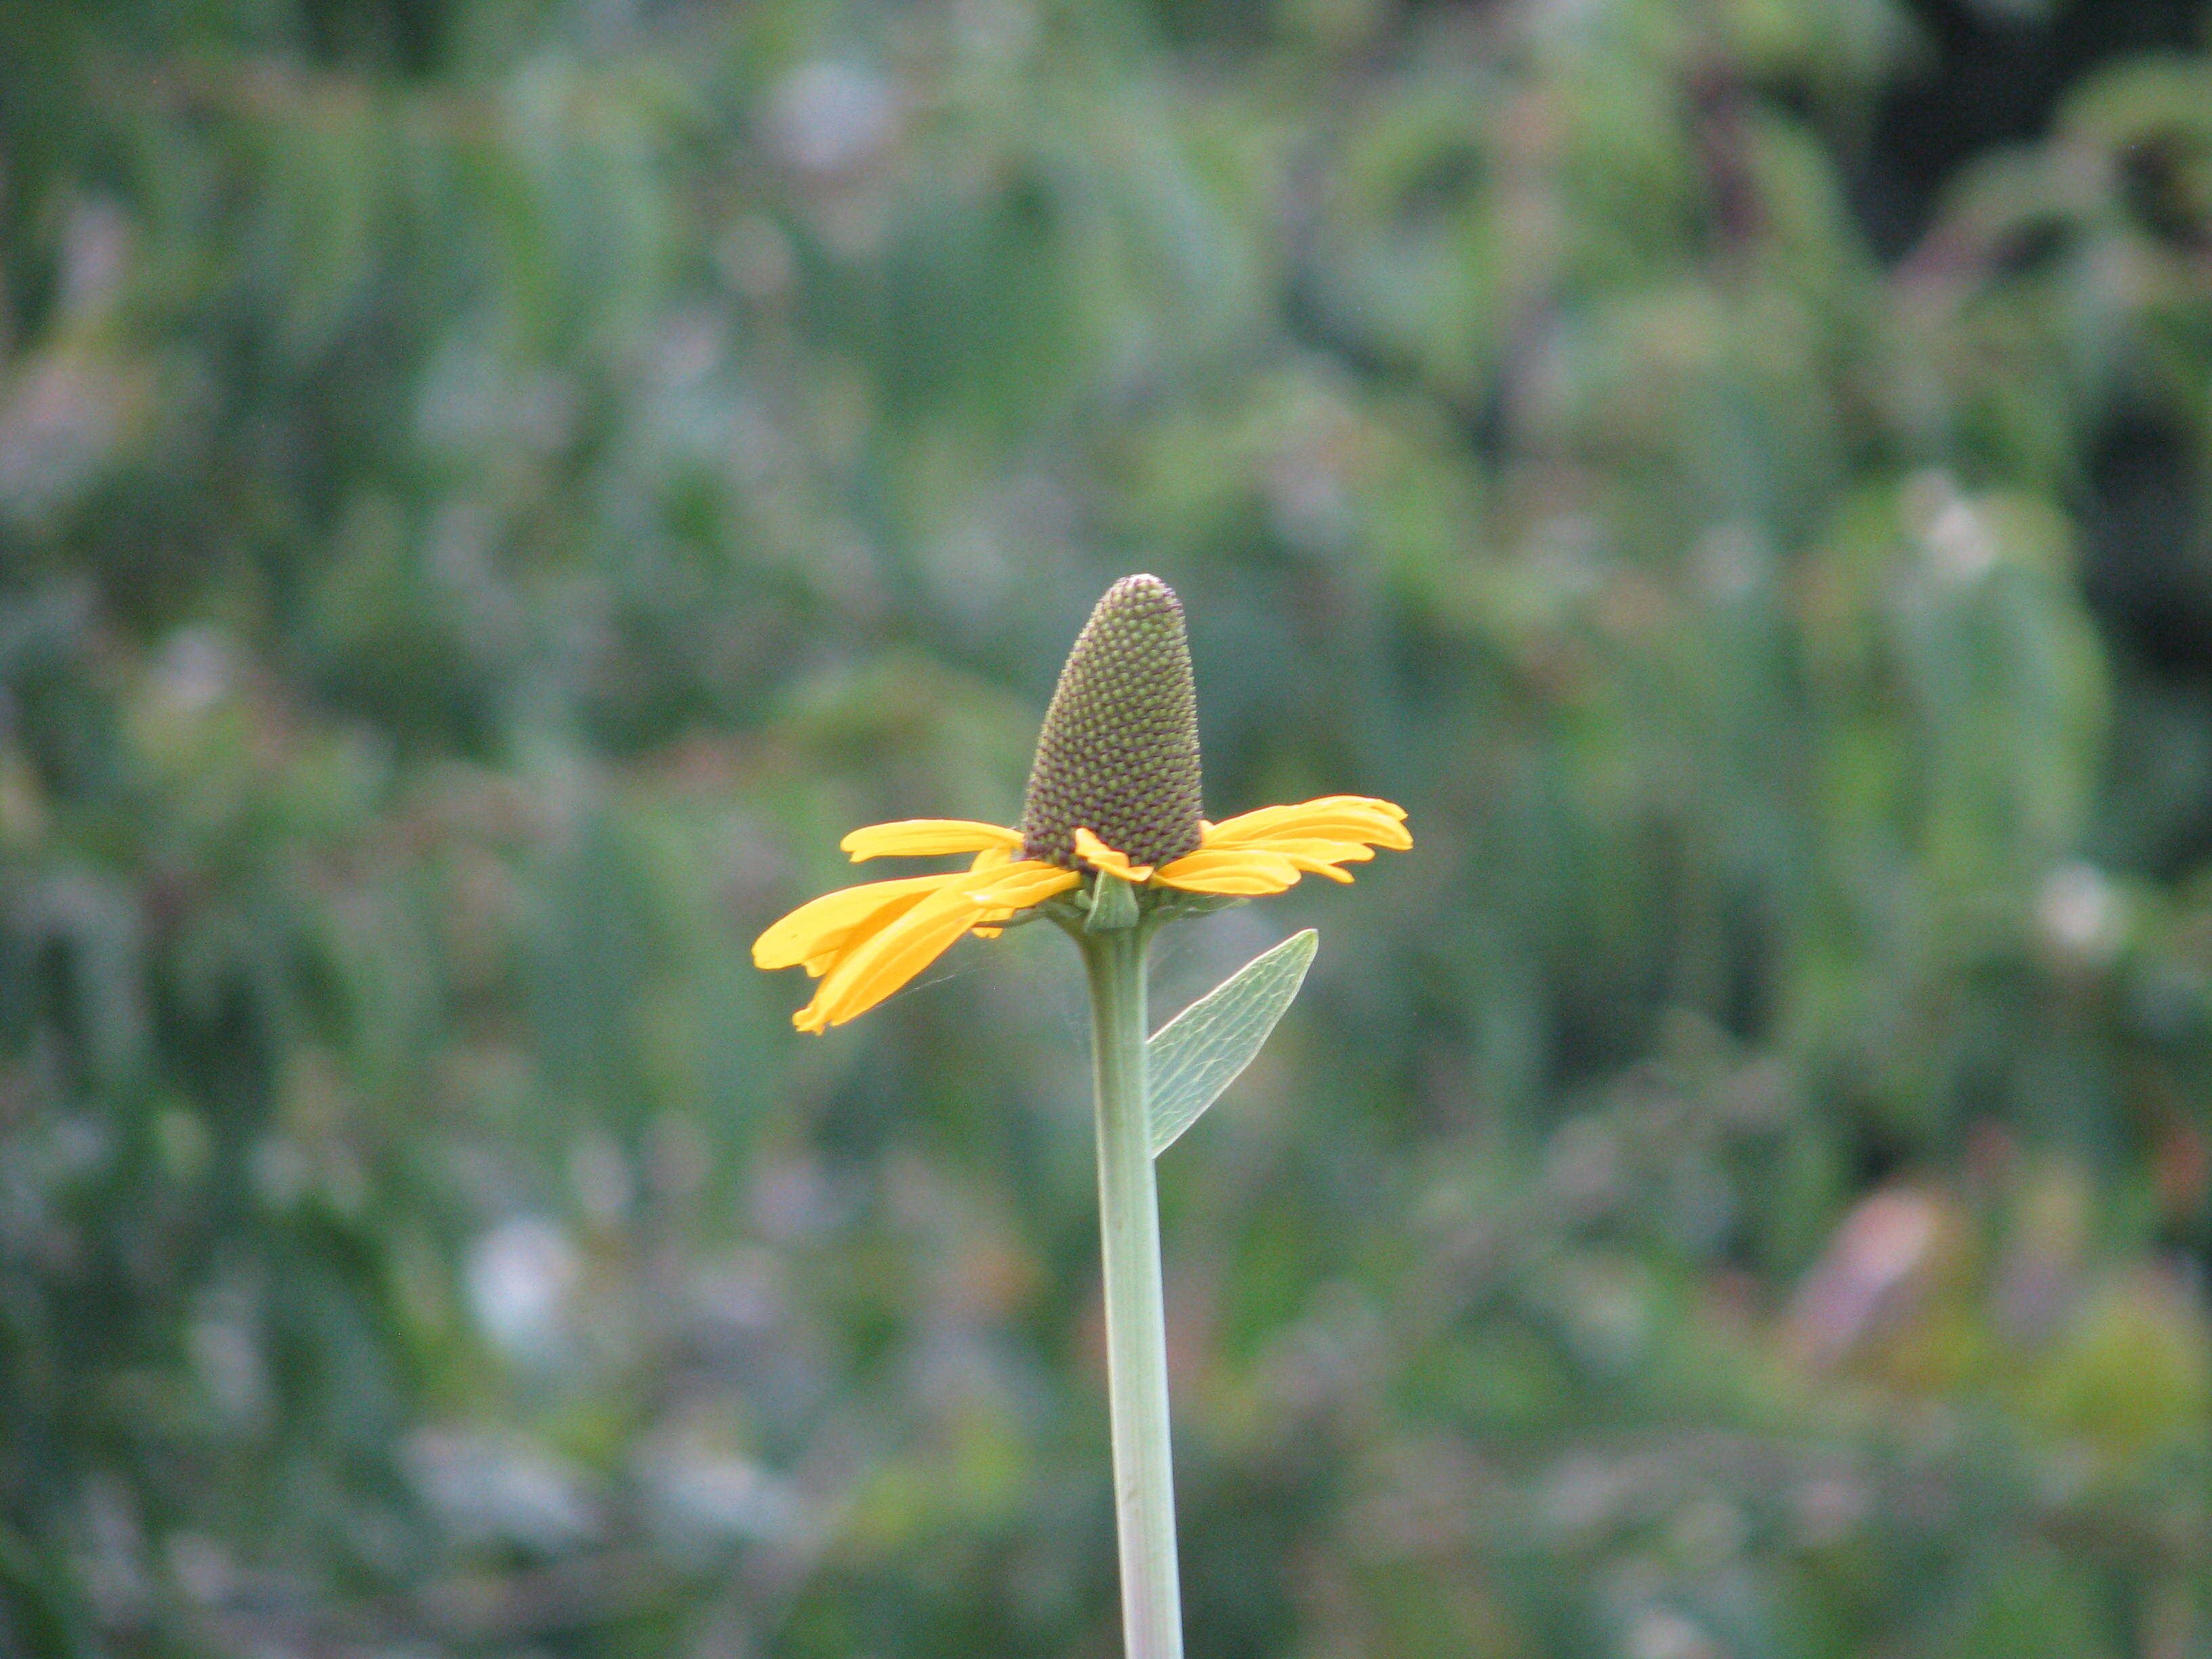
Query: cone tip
x,y
1141,585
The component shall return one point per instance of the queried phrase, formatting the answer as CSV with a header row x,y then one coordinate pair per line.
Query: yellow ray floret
x,y
1241,872
926,837
1266,851
869,968
864,943
1099,853
830,924
1348,818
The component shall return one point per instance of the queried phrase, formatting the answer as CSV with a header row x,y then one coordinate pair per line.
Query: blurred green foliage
x,y
491,489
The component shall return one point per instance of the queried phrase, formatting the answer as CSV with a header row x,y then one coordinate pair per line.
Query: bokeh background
x,y
491,489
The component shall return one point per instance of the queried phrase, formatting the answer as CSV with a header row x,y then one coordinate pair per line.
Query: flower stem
x,y
1136,1323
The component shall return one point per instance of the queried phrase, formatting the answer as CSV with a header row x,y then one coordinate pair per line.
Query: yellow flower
x,y
1116,776
864,942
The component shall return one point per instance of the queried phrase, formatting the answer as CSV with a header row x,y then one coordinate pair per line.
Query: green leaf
x,y
1198,1053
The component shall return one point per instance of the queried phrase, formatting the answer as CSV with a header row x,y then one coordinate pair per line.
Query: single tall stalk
x,y
1136,1319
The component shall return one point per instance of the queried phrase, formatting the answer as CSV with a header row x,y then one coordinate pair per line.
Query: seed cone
x,y
1118,755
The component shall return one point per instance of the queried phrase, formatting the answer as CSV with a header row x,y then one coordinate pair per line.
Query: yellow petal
x,y
1230,871
1344,803
1107,858
824,960
873,966
1348,808
1320,866
1320,856
828,924
1031,888
1335,818
925,837
882,963
1020,885
1315,835
1378,830
991,858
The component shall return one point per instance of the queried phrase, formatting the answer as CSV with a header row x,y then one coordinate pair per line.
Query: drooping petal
x,y
1316,867
1099,853
991,858
1323,803
1035,890
1370,832
1268,850
886,960
828,925
926,837
1317,856
1020,885
1329,809
1331,848
1230,870
1337,817
874,967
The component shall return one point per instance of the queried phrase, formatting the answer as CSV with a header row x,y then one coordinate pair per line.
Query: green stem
x,y
1136,1321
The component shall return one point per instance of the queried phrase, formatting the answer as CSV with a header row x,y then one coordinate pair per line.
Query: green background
x,y
490,490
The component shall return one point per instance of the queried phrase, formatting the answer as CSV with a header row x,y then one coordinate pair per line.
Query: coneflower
x,y
1112,844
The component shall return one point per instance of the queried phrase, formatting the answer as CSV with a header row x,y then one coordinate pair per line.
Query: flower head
x,y
1118,752
1114,797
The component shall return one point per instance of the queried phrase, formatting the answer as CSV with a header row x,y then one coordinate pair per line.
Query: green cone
x,y
1118,755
